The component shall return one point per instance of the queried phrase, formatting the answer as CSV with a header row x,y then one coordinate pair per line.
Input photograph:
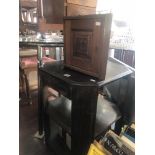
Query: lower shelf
x,y
56,142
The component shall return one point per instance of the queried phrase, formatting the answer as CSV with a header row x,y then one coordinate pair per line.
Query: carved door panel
x,y
82,45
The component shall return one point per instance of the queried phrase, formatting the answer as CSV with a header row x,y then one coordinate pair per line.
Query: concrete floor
x,y
28,124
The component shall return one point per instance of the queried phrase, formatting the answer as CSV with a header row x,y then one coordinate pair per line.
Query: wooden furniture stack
x,y
51,12
86,44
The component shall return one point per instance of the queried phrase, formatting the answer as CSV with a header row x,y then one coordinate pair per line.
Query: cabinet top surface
x,y
115,70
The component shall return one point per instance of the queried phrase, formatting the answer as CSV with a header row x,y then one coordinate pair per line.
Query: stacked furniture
x,y
80,111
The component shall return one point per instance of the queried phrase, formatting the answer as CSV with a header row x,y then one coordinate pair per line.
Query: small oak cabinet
x,y
86,40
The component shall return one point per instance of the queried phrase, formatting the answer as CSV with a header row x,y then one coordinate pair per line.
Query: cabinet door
x,y
53,11
87,44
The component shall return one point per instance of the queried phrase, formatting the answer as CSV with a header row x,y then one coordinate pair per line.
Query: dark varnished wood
x,y
83,108
53,11
74,10
88,3
114,71
76,87
86,40
42,43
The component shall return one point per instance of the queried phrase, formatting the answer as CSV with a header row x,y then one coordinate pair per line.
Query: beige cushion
x,y
27,52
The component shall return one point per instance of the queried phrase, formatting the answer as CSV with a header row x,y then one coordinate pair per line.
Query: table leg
x,y
40,105
83,115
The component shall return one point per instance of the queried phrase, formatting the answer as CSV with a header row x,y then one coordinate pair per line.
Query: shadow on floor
x,y
28,124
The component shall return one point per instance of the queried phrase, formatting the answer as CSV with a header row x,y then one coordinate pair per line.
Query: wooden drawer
x,y
73,10
90,3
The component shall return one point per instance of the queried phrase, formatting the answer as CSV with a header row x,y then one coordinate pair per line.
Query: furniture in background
x,y
126,56
29,60
83,92
51,12
28,71
34,13
122,42
122,93
28,15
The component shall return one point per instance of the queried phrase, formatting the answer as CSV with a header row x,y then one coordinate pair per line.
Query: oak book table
x,y
82,90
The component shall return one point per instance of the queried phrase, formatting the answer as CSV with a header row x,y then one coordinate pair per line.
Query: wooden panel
x,y
73,10
81,43
90,3
53,11
44,27
87,43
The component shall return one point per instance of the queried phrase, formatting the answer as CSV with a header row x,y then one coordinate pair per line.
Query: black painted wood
x,y
42,43
83,109
83,116
83,91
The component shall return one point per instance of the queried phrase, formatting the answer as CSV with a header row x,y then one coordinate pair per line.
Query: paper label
x,y
98,23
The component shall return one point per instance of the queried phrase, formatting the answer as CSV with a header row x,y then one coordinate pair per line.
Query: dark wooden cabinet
x,y
53,11
47,15
86,40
